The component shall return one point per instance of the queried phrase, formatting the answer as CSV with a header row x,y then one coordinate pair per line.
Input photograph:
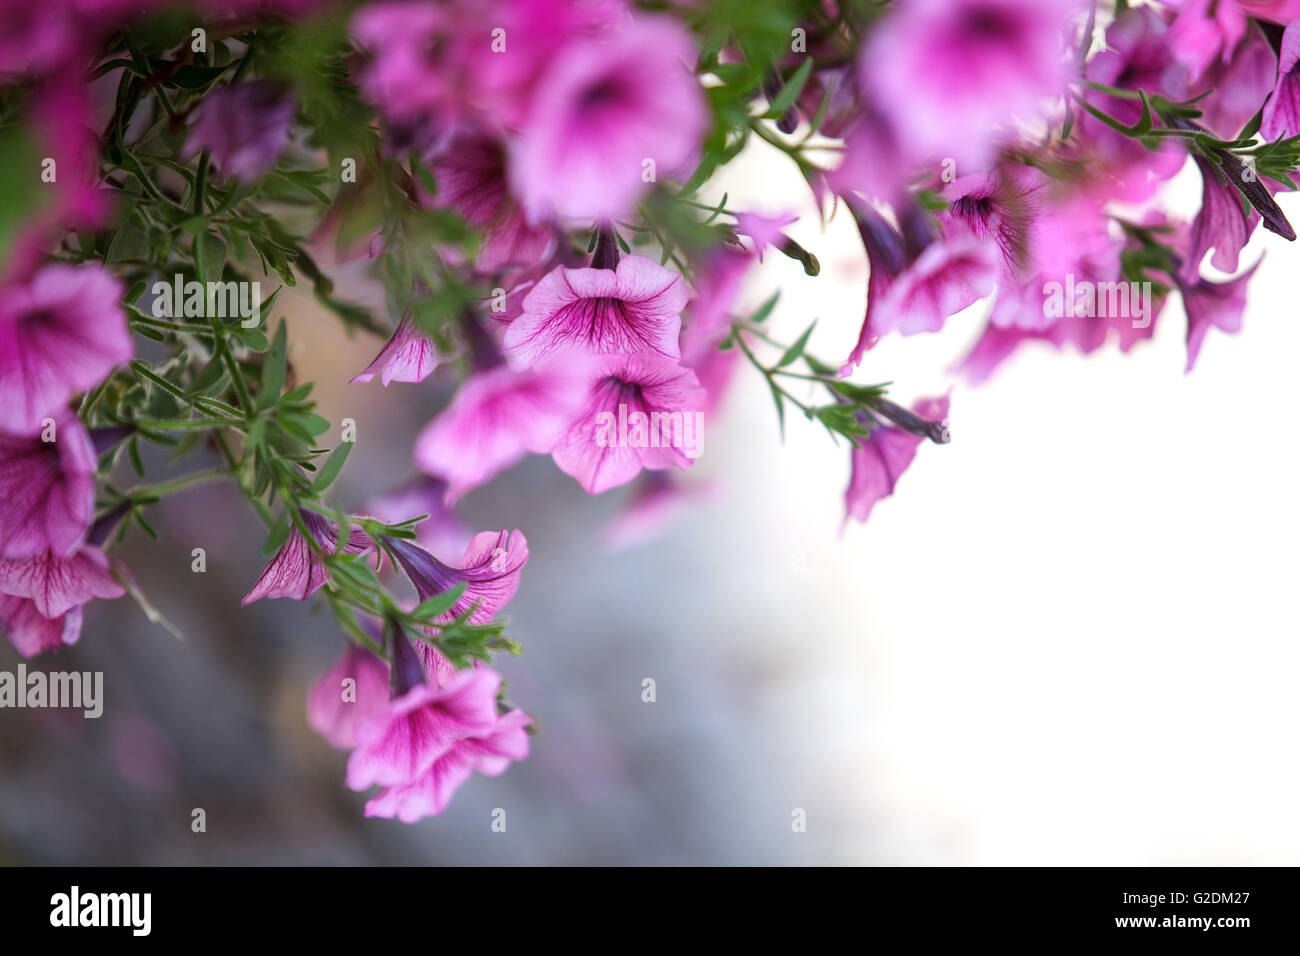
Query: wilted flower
x,y
408,356
298,569
882,457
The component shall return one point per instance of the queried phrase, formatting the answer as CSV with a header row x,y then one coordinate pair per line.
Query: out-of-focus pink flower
x,y
498,416
917,294
719,277
355,687
60,333
489,753
419,58
298,570
37,38
609,116
409,356
244,128
1282,111
47,489
1241,80
644,411
1217,304
490,568
877,160
951,73
765,231
471,178
882,457
1138,57
396,744
636,307
1205,31
657,499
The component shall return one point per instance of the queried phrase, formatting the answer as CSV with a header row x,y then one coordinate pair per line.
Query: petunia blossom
x,y
397,743
1221,224
1213,304
56,585
489,753
298,569
497,417
950,73
61,332
471,178
47,489
33,633
490,568
354,687
635,307
644,412
605,112
408,356
1282,111
882,457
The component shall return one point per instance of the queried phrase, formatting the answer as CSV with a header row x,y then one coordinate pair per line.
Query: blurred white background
x,y
1069,638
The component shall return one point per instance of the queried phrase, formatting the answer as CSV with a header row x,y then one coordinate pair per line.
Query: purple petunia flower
x,y
32,633
1221,224
633,308
298,570
244,128
498,416
644,412
56,585
490,568
60,333
48,490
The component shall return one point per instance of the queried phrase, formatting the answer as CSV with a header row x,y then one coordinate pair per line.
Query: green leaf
x,y
764,310
274,369
333,465
278,534
790,92
210,256
794,351
439,603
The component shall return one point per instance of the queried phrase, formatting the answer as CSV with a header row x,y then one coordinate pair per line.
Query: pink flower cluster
x,y
61,332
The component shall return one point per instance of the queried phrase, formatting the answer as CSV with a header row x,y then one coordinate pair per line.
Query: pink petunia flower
x,y
56,585
396,744
764,231
497,417
32,633
48,490
644,412
490,568
409,356
355,687
60,333
1221,224
298,569
950,73
915,284
608,117
489,753
633,308
882,457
